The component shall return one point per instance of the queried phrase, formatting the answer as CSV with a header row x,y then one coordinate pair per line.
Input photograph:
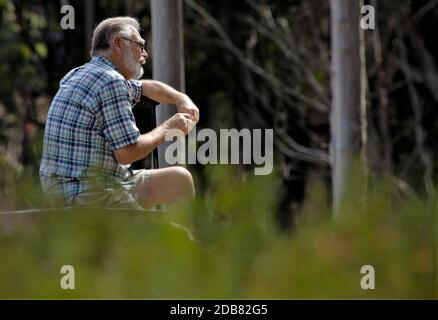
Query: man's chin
x,y
140,74
137,75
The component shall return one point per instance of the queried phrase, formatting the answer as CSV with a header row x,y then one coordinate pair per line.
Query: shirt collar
x,y
102,60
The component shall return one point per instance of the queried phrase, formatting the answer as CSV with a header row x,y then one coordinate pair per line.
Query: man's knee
x,y
185,181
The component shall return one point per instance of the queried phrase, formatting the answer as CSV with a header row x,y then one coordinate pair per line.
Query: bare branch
x,y
278,86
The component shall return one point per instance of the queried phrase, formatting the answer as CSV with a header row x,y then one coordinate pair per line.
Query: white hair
x,y
107,29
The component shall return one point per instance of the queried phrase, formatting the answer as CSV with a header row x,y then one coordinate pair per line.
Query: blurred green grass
x,y
238,250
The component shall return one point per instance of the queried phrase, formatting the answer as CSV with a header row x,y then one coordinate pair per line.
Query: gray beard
x,y
135,69
138,72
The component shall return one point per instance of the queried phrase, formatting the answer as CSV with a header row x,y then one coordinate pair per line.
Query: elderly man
x,y
91,138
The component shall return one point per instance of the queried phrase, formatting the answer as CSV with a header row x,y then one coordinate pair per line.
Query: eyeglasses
x,y
140,44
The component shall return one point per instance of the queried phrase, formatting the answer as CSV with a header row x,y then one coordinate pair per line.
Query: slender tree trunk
x,y
382,100
348,115
167,54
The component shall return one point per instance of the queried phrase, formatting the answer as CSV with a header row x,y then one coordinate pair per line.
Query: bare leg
x,y
165,186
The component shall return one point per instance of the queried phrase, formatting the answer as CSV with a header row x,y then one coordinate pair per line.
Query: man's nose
x,y
145,54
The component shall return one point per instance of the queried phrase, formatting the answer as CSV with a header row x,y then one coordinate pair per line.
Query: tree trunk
x,y
348,114
167,54
385,165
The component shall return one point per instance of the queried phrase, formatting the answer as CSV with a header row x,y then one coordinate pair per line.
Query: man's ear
x,y
117,44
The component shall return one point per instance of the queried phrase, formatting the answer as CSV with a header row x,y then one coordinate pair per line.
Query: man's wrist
x,y
181,98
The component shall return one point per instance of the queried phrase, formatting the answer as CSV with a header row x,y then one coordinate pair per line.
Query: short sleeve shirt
x,y
89,117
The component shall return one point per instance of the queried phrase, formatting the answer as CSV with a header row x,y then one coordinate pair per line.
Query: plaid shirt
x,y
89,118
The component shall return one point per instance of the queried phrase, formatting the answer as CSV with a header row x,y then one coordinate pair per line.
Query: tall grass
x,y
237,251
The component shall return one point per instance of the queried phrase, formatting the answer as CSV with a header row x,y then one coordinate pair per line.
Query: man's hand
x,y
181,121
149,141
186,105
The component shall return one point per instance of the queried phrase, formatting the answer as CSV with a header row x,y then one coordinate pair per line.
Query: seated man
x,y
91,138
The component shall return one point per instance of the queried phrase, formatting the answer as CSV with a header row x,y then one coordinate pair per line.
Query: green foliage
x,y
237,251
8,174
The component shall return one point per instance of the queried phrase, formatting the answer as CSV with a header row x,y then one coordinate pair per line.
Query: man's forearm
x,y
161,92
145,145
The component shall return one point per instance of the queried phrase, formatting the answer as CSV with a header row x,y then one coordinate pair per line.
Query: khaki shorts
x,y
117,195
